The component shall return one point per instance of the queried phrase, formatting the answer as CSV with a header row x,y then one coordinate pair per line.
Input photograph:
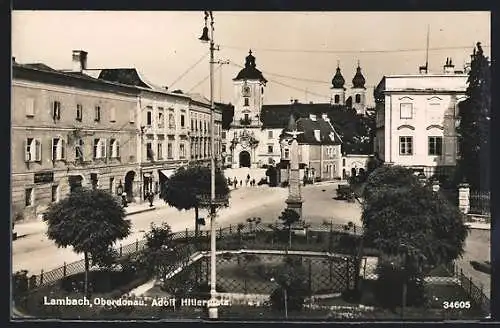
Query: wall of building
x,y
356,162
32,117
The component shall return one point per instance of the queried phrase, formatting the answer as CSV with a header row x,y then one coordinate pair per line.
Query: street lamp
x,y
285,296
205,37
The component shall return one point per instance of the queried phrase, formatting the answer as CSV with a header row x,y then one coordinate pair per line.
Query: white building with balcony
x,y
416,117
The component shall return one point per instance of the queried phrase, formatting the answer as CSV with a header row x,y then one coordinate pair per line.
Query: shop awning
x,y
167,173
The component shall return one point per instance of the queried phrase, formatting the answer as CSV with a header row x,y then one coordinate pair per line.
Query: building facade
x,y
416,117
319,149
68,130
200,129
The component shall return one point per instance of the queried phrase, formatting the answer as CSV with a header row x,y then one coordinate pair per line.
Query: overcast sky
x,y
297,52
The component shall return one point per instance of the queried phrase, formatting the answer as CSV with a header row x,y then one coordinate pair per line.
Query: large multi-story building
x,y
200,129
68,130
162,121
99,128
416,118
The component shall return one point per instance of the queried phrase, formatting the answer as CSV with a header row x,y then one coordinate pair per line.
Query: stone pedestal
x,y
464,198
296,205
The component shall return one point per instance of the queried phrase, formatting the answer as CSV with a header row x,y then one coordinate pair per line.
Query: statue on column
x,y
294,200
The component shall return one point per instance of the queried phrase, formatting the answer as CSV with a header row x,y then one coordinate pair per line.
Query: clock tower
x,y
248,94
246,126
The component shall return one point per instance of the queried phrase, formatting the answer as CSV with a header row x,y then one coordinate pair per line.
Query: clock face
x,y
246,90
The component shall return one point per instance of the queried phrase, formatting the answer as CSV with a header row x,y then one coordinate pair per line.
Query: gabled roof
x,y
277,116
327,134
129,76
199,98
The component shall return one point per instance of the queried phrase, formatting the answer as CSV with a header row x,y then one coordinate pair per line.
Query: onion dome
x,y
359,80
250,72
338,80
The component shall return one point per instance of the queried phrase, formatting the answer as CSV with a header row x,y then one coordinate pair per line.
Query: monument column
x,y
294,200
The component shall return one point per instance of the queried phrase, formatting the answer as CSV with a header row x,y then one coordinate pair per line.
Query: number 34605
x,y
456,305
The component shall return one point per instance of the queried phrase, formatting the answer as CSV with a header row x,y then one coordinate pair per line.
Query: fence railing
x,y
479,202
472,290
323,237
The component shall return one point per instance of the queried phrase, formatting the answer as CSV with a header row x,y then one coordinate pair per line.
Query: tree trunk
x,y
290,237
196,226
86,282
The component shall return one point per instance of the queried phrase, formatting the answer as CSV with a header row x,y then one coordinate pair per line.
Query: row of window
x,y
33,149
434,111
151,155
56,109
435,146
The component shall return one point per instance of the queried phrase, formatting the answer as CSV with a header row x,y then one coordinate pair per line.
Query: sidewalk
x,y
38,226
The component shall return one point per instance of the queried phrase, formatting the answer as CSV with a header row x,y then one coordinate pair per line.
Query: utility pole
x,y
212,304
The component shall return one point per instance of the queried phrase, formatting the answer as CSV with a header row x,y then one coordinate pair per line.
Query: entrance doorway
x,y
129,183
244,159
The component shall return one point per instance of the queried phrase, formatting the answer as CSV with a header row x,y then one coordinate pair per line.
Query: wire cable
x,y
188,70
352,51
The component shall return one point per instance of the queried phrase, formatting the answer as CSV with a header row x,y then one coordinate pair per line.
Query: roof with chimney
x,y
43,73
315,130
250,72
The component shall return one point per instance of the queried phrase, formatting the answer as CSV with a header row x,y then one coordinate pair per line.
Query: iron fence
x,y
473,291
480,202
325,237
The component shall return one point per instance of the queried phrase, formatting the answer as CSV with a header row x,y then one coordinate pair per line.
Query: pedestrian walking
x,y
124,199
151,196
241,183
235,183
253,182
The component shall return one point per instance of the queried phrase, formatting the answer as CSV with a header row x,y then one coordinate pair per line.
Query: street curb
x,y
142,211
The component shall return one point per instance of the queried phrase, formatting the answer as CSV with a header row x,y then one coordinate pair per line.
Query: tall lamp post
x,y
205,37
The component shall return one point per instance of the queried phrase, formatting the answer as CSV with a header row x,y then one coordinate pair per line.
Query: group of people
x,y
248,181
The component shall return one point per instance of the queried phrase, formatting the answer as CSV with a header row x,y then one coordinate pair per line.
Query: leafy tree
x,y
389,177
89,220
474,128
184,188
416,226
159,252
289,217
227,115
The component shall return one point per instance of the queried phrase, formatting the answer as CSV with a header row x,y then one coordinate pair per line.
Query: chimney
x,y
312,117
448,68
79,60
325,117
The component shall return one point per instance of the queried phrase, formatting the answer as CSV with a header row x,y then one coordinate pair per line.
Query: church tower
x,y
248,95
359,92
338,89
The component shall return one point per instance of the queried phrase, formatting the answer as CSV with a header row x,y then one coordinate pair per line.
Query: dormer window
x,y
332,136
317,135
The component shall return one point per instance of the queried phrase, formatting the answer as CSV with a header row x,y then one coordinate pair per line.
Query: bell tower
x,y
359,92
249,87
338,89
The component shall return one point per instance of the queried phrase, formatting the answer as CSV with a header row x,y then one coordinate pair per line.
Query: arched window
x,y
115,148
358,98
337,99
247,102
